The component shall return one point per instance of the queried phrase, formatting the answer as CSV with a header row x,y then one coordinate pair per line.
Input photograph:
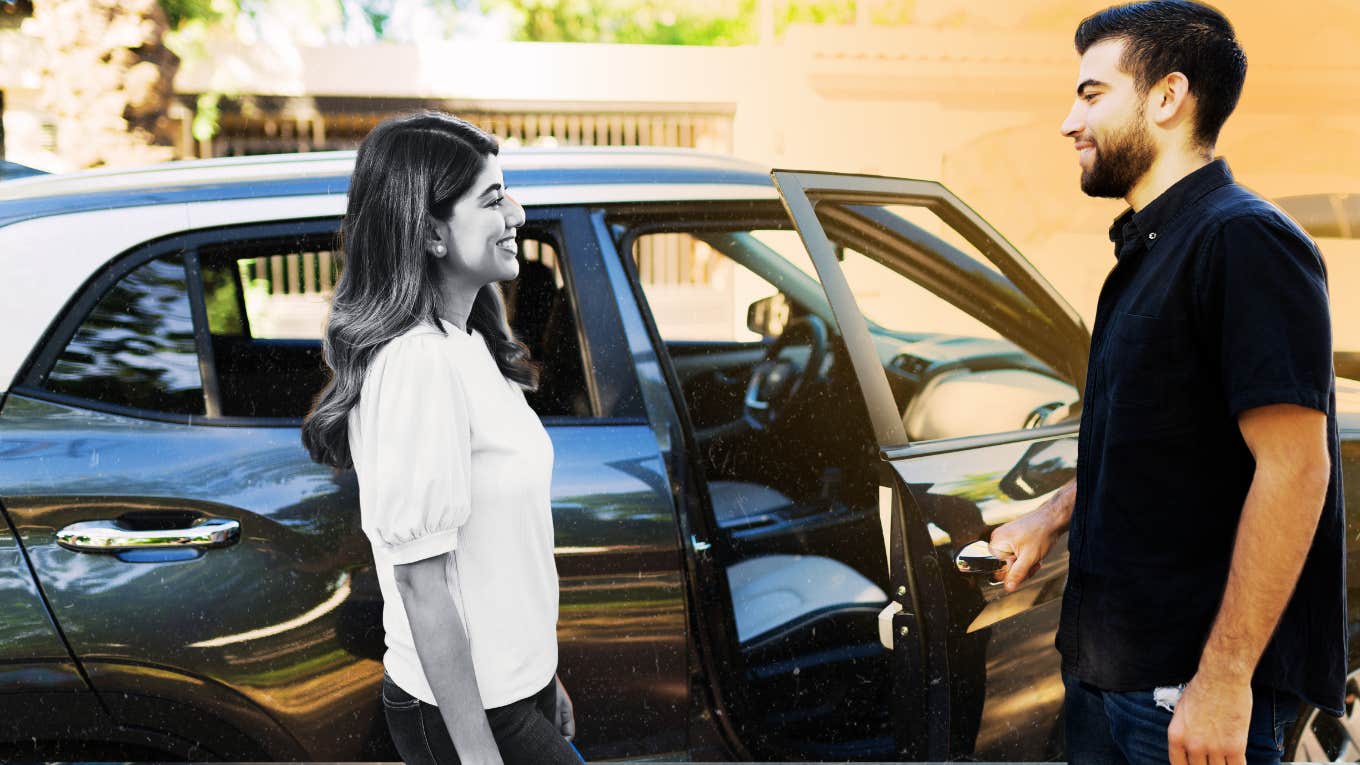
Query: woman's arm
x,y
446,655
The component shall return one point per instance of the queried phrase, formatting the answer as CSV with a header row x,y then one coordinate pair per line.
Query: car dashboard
x,y
950,386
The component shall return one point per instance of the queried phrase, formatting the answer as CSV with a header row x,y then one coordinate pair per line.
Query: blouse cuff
x,y
423,547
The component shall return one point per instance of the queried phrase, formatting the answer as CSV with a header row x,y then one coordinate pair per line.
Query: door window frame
x,y
613,396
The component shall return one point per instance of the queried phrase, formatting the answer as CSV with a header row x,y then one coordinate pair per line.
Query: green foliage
x,y
666,22
813,12
624,21
181,11
206,116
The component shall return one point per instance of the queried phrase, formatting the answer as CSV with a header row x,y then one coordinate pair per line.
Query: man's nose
x,y
1074,124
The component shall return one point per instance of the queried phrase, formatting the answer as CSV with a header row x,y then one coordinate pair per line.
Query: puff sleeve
x,y
418,442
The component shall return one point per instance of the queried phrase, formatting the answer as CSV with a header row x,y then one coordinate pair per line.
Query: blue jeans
x,y
1129,727
524,730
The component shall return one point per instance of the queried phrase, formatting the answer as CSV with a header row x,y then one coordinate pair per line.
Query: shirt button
x,y
1153,235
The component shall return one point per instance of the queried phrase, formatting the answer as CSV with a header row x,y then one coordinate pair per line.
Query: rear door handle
x,y
109,536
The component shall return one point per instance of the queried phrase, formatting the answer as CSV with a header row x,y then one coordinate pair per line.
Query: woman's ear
x,y
436,240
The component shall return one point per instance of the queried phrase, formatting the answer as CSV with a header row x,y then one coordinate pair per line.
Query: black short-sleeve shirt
x,y
1217,304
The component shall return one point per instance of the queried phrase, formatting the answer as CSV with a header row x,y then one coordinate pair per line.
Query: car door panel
x,y
286,622
1005,672
261,618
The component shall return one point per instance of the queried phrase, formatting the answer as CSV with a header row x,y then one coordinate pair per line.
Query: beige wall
x,y
975,99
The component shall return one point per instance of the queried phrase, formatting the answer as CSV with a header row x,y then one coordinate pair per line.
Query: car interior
x,y
788,463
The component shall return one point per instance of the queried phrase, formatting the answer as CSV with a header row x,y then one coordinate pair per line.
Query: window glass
x,y
267,303
136,347
969,353
695,292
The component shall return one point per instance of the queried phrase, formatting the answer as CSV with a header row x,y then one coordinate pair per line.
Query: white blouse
x,y
450,458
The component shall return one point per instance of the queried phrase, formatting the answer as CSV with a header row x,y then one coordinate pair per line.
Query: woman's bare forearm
x,y
446,656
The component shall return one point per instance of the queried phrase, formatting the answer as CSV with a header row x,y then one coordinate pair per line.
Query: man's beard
x,y
1120,161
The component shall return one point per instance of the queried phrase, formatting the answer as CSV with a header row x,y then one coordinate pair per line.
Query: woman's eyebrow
x,y
489,189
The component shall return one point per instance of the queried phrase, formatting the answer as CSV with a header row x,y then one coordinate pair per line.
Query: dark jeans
x,y
1110,727
525,730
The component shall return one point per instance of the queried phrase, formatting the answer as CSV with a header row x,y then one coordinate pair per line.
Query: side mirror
x,y
768,316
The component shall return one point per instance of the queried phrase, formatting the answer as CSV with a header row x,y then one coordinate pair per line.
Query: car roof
x,y
314,173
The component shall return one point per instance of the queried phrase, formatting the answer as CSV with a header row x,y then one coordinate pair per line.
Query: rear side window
x,y
262,294
266,302
136,346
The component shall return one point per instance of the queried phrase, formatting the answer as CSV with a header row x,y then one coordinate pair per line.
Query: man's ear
x,y
1169,102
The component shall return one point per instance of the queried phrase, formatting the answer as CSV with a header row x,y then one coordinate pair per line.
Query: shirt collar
x,y
1148,224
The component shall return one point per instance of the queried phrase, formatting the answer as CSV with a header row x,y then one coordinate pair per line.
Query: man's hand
x,y
1025,541
1210,722
566,714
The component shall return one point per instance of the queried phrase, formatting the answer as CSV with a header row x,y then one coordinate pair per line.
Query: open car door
x,y
970,366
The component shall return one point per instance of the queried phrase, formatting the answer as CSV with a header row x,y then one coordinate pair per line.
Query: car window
x,y
962,347
695,289
966,352
267,301
136,346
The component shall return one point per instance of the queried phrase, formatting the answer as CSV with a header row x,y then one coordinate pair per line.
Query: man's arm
x,y
446,655
1279,519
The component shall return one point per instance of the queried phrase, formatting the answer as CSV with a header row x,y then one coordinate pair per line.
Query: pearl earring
x,y
439,249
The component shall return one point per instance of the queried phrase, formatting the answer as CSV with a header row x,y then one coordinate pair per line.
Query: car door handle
x,y
977,558
110,536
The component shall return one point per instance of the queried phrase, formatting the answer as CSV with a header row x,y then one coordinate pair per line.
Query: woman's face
x,y
479,235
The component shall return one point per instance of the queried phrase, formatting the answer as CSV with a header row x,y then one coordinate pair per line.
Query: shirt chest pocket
x,y
1148,364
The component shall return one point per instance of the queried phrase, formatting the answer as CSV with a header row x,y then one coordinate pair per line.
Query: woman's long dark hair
x,y
408,169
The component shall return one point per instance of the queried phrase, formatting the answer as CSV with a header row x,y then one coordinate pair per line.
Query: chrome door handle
x,y
977,558
108,536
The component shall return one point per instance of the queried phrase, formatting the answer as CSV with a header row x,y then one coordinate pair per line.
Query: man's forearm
x,y
446,657
1058,508
1279,519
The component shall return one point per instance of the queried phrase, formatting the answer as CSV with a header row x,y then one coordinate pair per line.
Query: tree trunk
x,y
108,79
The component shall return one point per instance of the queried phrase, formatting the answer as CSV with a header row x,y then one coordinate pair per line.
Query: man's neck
x,y
1169,168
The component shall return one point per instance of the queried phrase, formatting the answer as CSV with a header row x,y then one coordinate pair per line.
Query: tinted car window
x,y
136,347
267,300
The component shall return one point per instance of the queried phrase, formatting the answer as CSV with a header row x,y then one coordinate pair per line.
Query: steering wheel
x,y
776,381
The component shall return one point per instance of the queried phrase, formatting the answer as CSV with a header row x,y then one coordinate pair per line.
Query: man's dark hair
x,y
1165,36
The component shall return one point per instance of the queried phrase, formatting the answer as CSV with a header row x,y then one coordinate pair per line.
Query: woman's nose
x,y
514,217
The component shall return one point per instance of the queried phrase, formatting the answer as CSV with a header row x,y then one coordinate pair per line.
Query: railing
x,y
242,135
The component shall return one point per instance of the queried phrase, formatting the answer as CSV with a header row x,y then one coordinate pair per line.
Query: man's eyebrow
x,y
489,189
1090,84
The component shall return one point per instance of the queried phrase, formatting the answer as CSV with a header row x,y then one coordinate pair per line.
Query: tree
x,y
107,79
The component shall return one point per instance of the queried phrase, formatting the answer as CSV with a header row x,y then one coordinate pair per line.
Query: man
x,y
1208,483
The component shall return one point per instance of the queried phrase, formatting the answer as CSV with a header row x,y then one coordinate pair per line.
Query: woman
x,y
426,403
